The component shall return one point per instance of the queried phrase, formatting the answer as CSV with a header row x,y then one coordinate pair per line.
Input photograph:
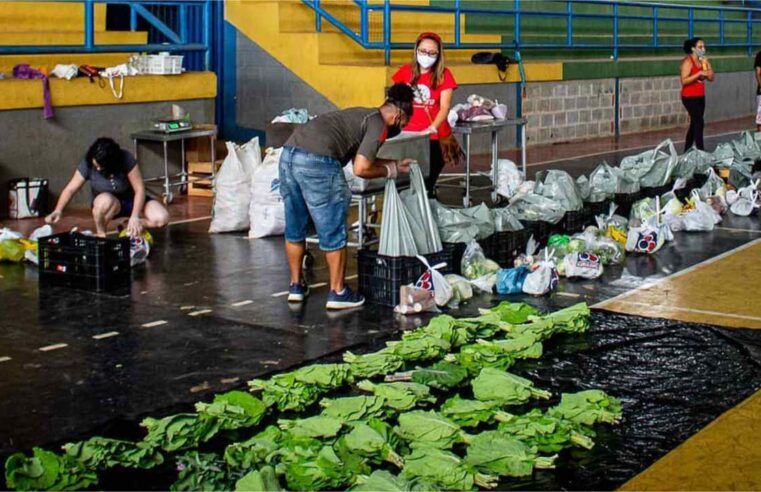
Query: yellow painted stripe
x,y
717,292
24,94
725,455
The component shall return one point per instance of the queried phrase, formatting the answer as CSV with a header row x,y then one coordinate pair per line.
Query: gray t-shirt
x,y
342,134
117,184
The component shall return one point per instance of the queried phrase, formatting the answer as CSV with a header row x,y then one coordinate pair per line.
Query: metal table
x,y
198,131
467,129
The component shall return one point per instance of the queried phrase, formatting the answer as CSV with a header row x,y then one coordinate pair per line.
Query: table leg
x,y
523,150
362,218
167,187
494,164
213,157
466,200
183,172
134,150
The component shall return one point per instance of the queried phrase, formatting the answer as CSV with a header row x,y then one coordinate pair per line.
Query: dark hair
x,y
106,152
689,44
401,96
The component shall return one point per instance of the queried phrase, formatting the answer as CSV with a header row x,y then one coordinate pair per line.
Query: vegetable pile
x,y
434,410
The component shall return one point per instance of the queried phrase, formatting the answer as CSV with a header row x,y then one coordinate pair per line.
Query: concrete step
x,y
47,16
29,38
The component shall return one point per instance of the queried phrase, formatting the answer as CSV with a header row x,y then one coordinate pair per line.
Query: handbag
x,y
498,59
451,152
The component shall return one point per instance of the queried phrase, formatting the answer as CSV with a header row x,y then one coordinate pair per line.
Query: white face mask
x,y
426,61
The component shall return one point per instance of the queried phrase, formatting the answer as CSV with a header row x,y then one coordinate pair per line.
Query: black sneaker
x,y
347,299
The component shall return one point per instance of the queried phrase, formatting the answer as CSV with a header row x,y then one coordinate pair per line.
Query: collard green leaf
x,y
588,407
201,471
418,349
255,451
262,480
400,395
429,429
353,408
100,452
505,388
514,312
471,413
546,433
180,431
374,364
443,469
494,452
318,426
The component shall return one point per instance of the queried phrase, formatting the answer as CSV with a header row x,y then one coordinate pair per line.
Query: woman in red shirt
x,y
433,85
695,70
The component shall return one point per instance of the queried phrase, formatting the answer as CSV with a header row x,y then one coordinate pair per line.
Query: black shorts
x,y
126,204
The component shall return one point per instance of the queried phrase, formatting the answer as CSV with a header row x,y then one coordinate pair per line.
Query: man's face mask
x,y
399,122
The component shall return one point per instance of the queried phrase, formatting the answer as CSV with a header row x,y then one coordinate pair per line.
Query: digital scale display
x,y
168,126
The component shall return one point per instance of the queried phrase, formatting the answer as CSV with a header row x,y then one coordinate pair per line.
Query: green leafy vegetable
x,y
46,470
384,481
262,480
505,388
444,328
325,470
423,348
369,365
298,389
254,451
514,312
400,395
353,408
99,452
477,356
520,346
429,429
470,413
201,471
548,434
318,426
494,452
181,431
234,410
588,407
445,470
371,442
441,375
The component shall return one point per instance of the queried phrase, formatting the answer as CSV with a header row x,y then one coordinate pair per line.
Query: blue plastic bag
x,y
510,280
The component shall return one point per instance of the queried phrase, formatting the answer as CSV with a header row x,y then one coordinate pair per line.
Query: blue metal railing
x,y
178,26
659,14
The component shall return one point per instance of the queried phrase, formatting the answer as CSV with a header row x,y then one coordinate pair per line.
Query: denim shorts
x,y
314,186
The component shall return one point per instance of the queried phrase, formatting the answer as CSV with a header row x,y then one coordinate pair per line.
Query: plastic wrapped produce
x,y
505,220
454,226
532,206
475,264
560,187
603,183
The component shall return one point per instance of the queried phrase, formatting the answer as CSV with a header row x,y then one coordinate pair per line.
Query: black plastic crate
x,y
540,229
452,254
84,262
576,220
503,247
654,191
598,208
624,201
380,277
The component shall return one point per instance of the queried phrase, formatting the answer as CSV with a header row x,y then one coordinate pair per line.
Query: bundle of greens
x,y
99,452
384,481
441,375
316,471
546,433
370,365
298,389
505,388
471,413
401,395
445,328
421,348
317,427
444,470
254,451
430,430
494,452
234,410
373,440
47,471
354,408
180,431
477,356
201,471
262,480
513,312
588,407
519,345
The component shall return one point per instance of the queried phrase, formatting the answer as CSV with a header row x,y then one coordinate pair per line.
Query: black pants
x,y
695,106
437,164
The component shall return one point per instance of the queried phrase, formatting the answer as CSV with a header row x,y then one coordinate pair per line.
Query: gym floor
x,y
674,335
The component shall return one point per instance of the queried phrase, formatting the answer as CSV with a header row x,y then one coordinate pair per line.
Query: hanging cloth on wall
x,y
24,71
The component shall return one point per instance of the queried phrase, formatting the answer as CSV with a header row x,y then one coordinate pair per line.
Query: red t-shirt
x,y
426,97
697,88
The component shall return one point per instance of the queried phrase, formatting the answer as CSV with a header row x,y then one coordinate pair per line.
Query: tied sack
x,y
267,212
433,281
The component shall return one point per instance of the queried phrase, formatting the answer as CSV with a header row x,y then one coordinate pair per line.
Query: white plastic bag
x,y
542,280
462,290
435,282
267,212
648,238
232,194
509,178
582,265
475,264
415,300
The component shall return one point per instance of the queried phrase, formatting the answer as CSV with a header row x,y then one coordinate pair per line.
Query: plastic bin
x,y
452,254
598,208
84,262
380,277
161,64
540,230
652,192
504,247
576,220
625,202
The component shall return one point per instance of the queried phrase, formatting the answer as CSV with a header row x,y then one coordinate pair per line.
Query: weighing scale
x,y
171,125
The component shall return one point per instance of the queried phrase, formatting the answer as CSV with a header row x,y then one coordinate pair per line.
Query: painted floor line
x,y
624,295
56,346
351,277
199,312
733,229
185,221
154,323
108,334
568,294
242,303
186,308
5,359
663,307
604,152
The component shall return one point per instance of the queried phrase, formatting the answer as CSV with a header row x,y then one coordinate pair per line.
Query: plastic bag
x,y
11,250
232,194
453,225
642,210
582,186
648,238
542,280
435,282
609,250
560,187
511,280
603,183
485,283
482,219
6,234
396,237
745,200
527,258
664,161
462,290
701,218
267,211
723,155
139,246
694,161
505,220
712,185
475,264
509,178
746,147
415,300
582,265
741,172
419,212
532,206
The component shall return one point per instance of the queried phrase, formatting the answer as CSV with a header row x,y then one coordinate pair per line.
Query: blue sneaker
x,y
298,292
347,299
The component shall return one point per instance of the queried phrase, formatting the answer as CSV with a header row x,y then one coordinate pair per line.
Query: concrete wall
x,y
265,88
51,149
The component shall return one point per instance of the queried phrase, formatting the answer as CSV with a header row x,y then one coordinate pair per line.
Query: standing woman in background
x,y
433,85
695,70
